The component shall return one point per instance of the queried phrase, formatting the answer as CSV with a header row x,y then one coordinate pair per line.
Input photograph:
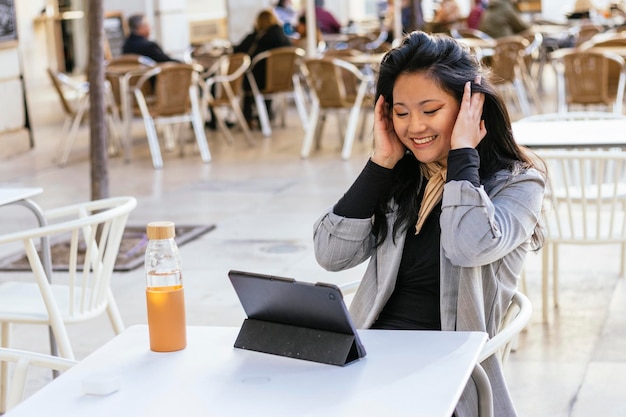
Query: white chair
x,y
336,86
93,231
175,101
22,361
515,319
74,96
585,204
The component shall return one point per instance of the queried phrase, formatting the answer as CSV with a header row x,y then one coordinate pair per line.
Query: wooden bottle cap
x,y
160,230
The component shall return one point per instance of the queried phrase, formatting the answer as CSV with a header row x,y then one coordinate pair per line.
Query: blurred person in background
x,y
412,15
501,19
267,34
326,22
286,15
473,19
138,42
300,33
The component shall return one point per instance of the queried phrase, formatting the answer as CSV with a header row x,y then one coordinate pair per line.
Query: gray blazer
x,y
485,235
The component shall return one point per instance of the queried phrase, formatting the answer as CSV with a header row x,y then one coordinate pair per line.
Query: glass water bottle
x,y
164,289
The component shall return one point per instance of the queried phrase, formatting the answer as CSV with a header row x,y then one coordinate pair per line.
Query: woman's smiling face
x,y
423,117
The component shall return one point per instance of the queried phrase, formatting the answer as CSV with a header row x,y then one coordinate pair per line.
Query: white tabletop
x,y
405,373
571,133
11,195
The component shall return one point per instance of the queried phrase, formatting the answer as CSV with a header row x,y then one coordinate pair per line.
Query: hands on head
x,y
469,128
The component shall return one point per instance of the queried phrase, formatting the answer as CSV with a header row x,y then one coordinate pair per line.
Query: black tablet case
x,y
295,319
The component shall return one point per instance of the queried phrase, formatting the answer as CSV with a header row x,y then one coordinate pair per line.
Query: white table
x,y
571,133
405,373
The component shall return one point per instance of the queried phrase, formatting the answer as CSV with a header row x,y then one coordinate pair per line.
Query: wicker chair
x,y
122,73
74,97
176,100
336,86
282,79
223,89
508,65
590,78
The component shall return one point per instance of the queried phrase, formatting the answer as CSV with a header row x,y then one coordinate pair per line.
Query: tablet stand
x,y
297,342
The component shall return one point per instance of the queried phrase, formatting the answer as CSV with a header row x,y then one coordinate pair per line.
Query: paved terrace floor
x,y
264,201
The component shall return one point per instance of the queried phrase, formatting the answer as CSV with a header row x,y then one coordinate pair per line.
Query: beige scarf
x,y
435,173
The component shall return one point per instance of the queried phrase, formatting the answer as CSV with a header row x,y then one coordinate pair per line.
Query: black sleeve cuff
x,y
463,165
360,201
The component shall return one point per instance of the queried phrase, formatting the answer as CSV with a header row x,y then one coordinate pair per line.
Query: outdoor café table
x,y
405,373
602,133
22,197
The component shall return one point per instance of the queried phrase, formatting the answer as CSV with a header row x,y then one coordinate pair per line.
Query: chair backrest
x,y
63,85
586,196
590,77
22,361
228,78
132,66
605,39
585,32
334,82
171,90
508,58
280,66
515,319
93,231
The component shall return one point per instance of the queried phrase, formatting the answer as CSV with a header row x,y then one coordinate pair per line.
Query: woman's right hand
x,y
388,149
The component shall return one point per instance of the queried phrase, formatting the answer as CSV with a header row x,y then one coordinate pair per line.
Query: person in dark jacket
x,y
501,19
267,34
138,42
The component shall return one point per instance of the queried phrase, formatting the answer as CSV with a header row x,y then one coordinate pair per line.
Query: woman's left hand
x,y
469,129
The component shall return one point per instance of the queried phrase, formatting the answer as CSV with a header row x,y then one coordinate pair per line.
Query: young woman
x,y
445,209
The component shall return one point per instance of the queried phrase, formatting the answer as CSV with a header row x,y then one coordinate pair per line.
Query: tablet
x,y
296,304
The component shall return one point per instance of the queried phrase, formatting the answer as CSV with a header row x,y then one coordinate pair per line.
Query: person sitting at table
x,y
473,18
501,19
299,38
445,209
138,42
326,22
286,15
267,34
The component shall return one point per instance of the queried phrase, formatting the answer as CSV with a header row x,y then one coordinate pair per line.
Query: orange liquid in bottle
x,y
166,318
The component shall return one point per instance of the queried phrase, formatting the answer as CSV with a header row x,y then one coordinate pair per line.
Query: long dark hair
x,y
450,65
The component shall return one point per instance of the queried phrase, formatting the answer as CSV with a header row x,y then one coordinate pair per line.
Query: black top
x,y
414,303
257,42
139,45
